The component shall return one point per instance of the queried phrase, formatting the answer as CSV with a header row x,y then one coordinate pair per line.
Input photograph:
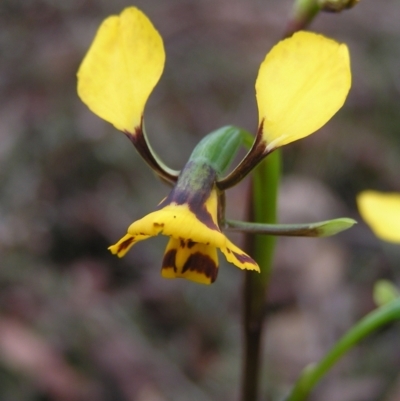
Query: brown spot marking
x,y
169,260
186,243
242,258
201,264
190,243
156,225
125,244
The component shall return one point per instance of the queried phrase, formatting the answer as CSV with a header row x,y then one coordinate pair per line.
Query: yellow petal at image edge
x,y
121,68
301,84
381,211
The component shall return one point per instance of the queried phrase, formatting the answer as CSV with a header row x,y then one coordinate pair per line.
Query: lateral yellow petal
x,y
193,261
121,68
239,258
381,211
126,243
303,81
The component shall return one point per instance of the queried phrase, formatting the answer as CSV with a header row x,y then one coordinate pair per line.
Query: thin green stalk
x,y
313,373
303,12
319,229
263,200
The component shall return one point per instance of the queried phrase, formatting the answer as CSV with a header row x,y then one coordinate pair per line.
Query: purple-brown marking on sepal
x,y
183,243
169,260
202,264
204,216
253,157
125,244
221,207
243,258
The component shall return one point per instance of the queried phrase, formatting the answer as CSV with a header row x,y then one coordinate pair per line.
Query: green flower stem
x,y
304,11
319,229
313,373
262,209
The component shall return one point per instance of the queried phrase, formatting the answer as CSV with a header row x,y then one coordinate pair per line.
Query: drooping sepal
x,y
126,243
240,259
193,261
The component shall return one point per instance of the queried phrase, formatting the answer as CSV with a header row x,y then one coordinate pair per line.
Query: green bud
x,y
384,292
332,227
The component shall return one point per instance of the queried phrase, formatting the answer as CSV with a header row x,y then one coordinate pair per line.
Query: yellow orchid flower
x,y
381,211
189,216
301,84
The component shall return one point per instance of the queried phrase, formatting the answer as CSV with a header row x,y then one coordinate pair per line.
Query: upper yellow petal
x,y
381,211
301,84
121,68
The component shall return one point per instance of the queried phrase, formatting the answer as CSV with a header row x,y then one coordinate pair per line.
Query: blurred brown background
x,y
78,324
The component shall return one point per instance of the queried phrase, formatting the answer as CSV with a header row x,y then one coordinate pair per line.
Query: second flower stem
x,y
262,209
